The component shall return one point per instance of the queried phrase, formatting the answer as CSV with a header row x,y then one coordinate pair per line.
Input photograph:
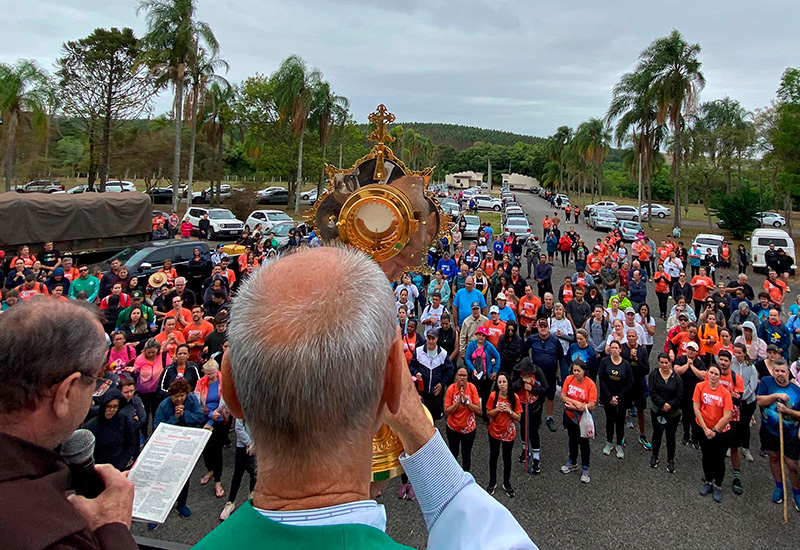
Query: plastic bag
x,y
587,425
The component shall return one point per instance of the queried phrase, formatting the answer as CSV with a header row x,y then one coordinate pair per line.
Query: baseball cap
x,y
773,347
542,322
482,330
433,333
629,310
494,309
683,316
692,345
502,296
476,305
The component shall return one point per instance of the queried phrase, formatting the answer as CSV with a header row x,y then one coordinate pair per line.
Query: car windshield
x,y
712,242
278,217
125,255
281,229
221,215
473,220
136,258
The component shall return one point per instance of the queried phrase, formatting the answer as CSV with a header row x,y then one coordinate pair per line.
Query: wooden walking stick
x,y
527,443
783,471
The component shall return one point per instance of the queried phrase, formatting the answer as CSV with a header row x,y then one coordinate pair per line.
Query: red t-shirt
x,y
463,420
501,426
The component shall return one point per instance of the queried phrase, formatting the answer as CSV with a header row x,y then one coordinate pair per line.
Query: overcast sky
x,y
517,65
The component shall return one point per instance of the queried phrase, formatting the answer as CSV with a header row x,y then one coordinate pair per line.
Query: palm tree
x,y
676,81
724,123
173,36
202,73
556,146
218,116
329,110
592,139
24,88
295,88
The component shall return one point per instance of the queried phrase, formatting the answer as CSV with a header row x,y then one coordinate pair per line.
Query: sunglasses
x,y
101,385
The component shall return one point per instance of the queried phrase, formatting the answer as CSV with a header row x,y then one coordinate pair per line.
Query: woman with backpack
x,y
120,354
147,370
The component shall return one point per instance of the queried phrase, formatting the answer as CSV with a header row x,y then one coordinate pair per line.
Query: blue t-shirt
x,y
498,249
212,399
507,314
463,301
488,231
448,267
769,415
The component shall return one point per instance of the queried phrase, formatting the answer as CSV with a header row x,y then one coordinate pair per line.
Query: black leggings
x,y
714,450
671,427
212,454
464,441
615,418
243,462
494,453
690,427
575,441
746,411
151,401
662,302
435,403
533,426
484,386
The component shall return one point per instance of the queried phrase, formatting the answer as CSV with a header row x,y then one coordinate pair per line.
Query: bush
x,y
243,201
736,211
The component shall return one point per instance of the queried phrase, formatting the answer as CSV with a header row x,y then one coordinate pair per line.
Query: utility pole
x,y
489,177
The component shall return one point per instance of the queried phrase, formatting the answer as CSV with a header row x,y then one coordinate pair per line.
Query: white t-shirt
x,y
432,313
648,338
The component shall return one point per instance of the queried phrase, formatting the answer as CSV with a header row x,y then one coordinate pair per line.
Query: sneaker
x,y
569,467
748,456
153,526
628,422
551,424
490,488
706,489
684,441
522,457
227,511
696,445
185,512
402,491
763,452
411,495
608,448
585,476
671,466
620,452
509,491
737,486
624,442
796,502
653,461
777,495
644,443
717,494
728,453
535,467
633,413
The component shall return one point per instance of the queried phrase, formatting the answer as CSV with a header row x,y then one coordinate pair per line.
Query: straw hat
x,y
157,279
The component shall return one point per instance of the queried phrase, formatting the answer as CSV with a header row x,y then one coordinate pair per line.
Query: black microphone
x,y
78,453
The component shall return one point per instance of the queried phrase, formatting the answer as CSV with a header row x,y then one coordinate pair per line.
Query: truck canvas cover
x,y
35,218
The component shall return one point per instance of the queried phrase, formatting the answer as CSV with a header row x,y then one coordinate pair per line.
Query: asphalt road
x,y
626,505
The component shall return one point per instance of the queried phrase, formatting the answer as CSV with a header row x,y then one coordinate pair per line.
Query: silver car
x,y
602,219
626,213
473,226
629,230
517,226
658,210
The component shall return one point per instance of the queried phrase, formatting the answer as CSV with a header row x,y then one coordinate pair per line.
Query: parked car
x,y
708,240
275,195
78,189
518,226
602,204
487,202
771,219
119,186
144,259
473,226
515,211
310,197
162,195
626,213
40,186
204,196
602,219
267,218
449,206
629,230
223,222
659,211
759,244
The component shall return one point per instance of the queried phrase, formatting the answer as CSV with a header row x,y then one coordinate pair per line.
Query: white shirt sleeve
x,y
450,500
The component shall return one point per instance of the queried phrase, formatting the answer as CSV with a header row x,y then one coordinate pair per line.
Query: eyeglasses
x,y
101,385
82,270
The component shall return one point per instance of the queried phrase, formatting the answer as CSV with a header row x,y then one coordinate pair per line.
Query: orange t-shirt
x,y
72,274
161,337
713,403
595,263
719,345
703,332
501,426
230,275
171,275
28,293
28,261
701,286
527,310
644,253
680,340
495,331
463,420
194,333
546,223
567,295
662,286
585,392
182,320
776,289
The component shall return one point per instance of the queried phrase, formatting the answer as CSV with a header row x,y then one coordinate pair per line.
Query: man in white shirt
x,y
673,266
324,437
432,315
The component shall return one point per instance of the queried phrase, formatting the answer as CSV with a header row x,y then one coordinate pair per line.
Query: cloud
x,y
506,64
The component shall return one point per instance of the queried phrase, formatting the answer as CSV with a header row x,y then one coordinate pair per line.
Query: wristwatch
x,y
714,429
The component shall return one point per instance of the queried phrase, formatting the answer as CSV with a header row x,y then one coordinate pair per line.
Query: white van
x,y
760,241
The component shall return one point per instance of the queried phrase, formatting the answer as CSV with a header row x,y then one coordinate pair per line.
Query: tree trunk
x,y
322,171
299,184
192,144
92,175
10,136
176,152
676,155
788,212
341,148
220,164
106,141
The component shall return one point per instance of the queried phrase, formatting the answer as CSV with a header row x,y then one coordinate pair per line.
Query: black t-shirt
x,y
688,378
49,259
579,312
214,342
447,340
748,290
188,296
